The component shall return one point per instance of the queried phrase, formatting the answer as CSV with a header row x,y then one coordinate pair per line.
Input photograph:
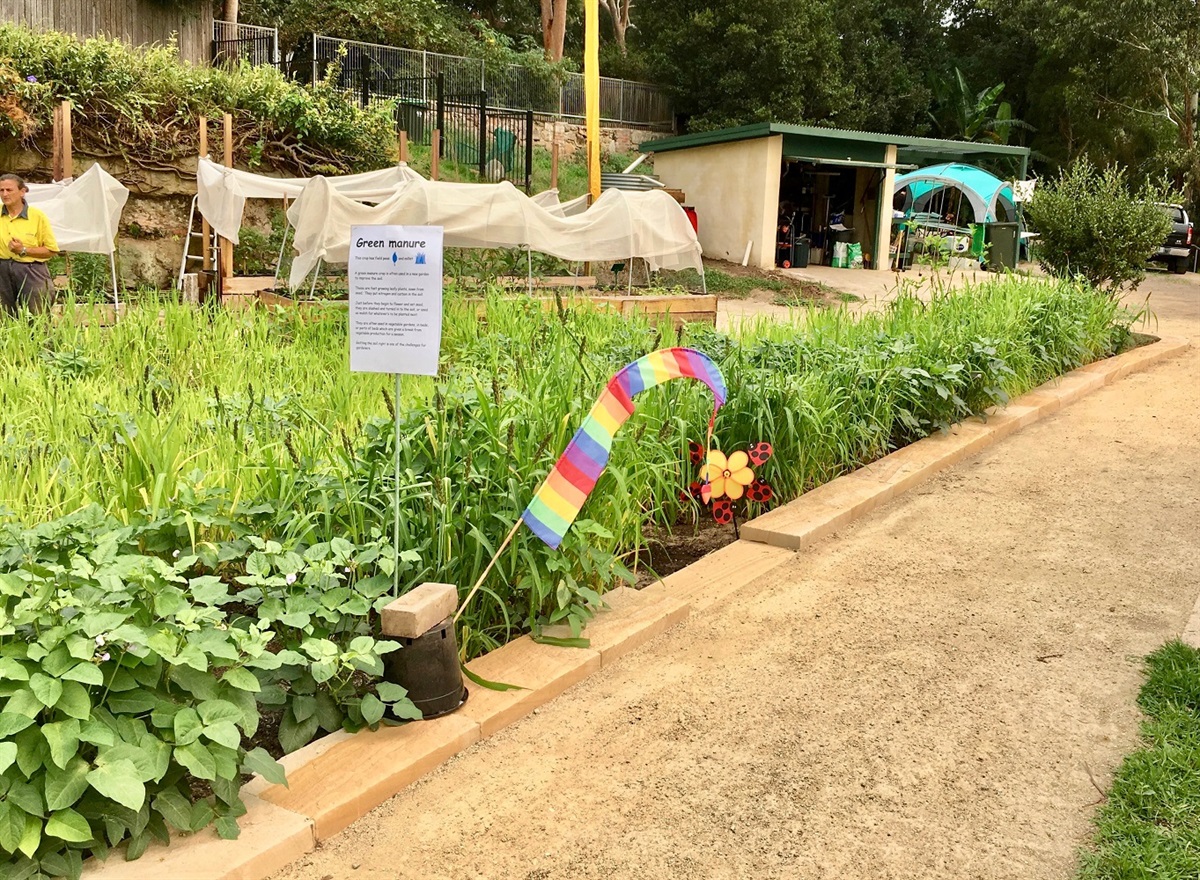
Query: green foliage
x,y
962,114
258,252
185,555
143,104
1150,824
411,24
734,63
88,275
1094,225
129,671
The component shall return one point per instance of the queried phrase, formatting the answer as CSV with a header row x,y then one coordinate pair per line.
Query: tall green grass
x,y
262,408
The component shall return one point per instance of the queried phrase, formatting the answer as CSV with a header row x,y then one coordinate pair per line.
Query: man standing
x,y
26,244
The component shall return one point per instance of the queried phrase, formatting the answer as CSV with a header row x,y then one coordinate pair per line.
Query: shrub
x,y
143,105
1092,224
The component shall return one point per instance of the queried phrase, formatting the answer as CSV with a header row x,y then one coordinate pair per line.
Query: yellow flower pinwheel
x,y
727,476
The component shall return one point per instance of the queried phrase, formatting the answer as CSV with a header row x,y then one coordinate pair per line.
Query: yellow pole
x,y
591,91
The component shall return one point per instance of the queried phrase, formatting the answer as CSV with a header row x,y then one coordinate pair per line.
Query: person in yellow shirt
x,y
26,245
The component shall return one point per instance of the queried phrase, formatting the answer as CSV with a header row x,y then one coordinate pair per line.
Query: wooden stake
x,y
68,163
206,265
404,146
554,164
435,148
56,163
479,582
226,244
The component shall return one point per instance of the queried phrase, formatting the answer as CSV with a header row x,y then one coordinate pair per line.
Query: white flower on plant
x,y
291,578
105,657
99,641
175,555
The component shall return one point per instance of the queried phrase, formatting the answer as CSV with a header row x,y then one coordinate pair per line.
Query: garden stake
x,y
396,500
479,583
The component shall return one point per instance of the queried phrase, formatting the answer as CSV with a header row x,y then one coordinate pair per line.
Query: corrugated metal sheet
x,y
639,182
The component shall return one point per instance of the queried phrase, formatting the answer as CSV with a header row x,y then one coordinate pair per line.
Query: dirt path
x,y
927,694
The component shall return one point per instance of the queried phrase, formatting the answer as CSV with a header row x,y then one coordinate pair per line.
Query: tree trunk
x,y
554,28
229,10
619,11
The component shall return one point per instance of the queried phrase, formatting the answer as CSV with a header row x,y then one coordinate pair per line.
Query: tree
x,y
619,12
1130,75
886,50
554,28
961,113
732,63
1092,224
409,24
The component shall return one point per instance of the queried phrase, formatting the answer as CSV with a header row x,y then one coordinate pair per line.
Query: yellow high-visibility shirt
x,y
29,227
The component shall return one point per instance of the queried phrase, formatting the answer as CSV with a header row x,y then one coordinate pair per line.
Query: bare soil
x,y
941,690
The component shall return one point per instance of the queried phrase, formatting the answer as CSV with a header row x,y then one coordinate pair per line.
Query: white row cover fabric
x,y
548,199
223,191
84,212
621,224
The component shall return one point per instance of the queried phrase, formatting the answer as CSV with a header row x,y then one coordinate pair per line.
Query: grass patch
x,y
788,291
812,293
1150,825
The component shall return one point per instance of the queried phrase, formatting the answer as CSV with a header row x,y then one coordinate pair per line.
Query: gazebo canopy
x,y
984,191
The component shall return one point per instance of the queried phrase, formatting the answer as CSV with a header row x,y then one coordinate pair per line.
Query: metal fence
x,y
372,70
233,42
494,142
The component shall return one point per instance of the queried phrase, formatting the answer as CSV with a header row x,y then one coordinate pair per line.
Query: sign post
x,y
396,315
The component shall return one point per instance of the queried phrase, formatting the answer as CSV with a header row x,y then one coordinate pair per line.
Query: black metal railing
x,y
233,43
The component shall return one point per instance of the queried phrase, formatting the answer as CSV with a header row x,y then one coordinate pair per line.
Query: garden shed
x,y
822,183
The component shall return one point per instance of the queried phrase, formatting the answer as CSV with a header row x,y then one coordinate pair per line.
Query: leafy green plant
x,y
139,103
1094,224
130,675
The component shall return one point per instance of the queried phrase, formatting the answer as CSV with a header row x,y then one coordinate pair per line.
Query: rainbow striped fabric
x,y
559,499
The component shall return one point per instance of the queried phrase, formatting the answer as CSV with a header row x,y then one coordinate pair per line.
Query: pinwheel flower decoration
x,y
726,479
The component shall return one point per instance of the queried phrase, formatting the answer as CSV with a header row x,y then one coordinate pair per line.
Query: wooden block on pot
x,y
412,615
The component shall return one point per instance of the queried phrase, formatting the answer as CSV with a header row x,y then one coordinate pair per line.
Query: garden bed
x,y
241,483
678,309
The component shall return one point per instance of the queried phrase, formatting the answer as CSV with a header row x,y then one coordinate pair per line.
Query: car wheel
x,y
1179,265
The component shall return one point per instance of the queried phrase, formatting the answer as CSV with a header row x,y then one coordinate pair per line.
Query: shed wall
x,y
734,188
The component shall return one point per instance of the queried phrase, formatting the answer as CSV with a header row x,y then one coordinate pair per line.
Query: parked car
x,y
1176,251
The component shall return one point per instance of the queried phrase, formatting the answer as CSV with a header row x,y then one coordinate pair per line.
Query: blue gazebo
x,y
982,190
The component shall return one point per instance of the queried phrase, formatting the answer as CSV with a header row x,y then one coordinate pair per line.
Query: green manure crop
x,y
260,410
197,532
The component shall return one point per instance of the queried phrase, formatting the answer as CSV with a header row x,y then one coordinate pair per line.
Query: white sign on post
x,y
395,299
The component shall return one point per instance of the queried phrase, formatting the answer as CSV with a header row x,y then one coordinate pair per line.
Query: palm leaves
x,y
962,114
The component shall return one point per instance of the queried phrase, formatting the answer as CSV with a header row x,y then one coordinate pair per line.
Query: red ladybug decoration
x,y
723,511
760,492
759,452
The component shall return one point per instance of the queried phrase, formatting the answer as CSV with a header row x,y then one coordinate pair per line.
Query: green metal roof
x,y
837,143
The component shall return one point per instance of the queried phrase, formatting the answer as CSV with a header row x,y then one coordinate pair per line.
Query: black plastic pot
x,y
427,667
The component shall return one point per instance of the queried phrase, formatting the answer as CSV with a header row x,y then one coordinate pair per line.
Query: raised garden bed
x,y
245,474
678,310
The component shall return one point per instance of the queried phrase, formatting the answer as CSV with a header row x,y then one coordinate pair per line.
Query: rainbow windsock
x,y
559,499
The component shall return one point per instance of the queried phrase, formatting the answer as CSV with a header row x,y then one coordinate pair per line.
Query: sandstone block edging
x,y
827,508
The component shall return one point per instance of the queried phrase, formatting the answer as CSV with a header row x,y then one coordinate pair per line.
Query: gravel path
x,y
938,691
